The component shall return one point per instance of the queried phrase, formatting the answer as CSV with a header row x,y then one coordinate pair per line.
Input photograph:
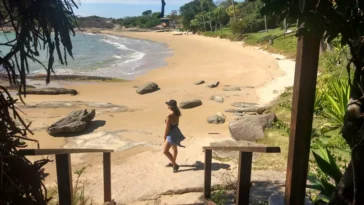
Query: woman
x,y
173,135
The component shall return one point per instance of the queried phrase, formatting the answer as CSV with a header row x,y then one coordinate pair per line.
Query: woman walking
x,y
173,135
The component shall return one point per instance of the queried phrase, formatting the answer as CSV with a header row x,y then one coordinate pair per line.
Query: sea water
x,y
102,55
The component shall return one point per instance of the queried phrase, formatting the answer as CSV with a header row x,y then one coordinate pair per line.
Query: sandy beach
x,y
136,134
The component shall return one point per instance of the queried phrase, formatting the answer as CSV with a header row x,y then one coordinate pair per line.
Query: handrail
x,y
64,170
34,152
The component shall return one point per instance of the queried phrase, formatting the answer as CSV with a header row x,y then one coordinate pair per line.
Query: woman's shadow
x,y
201,166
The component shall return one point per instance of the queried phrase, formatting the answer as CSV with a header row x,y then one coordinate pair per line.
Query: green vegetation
x,y
148,19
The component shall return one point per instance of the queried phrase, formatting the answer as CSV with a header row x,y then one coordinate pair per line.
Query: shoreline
x,y
137,132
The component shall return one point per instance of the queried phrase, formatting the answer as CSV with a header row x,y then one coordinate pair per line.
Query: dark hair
x,y
175,110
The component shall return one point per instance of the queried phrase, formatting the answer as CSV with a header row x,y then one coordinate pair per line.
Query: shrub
x,y
237,27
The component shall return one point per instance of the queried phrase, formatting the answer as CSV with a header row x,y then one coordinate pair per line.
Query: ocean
x,y
104,55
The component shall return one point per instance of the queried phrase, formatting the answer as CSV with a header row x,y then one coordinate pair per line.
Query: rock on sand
x,y
147,88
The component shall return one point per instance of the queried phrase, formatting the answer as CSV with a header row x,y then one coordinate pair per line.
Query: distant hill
x,y
95,22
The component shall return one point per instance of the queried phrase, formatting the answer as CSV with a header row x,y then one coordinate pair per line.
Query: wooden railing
x,y
244,169
64,170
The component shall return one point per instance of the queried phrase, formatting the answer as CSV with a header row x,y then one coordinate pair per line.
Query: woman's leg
x,y
166,148
175,152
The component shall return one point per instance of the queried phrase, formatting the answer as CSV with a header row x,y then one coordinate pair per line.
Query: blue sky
x,y
122,8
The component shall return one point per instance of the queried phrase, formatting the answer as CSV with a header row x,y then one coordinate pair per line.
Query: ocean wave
x,y
90,34
117,45
113,37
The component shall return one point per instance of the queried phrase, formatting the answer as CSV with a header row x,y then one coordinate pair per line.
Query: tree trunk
x,y
350,190
234,10
211,26
204,23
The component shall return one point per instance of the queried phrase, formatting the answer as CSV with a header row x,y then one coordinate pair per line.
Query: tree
x,y
345,20
219,15
147,13
188,12
37,25
173,18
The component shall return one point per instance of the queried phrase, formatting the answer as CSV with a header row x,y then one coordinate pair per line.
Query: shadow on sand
x,y
200,166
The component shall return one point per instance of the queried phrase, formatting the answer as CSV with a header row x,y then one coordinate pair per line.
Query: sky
x,y
122,8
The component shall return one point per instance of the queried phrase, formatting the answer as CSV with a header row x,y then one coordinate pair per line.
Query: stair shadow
x,y
198,166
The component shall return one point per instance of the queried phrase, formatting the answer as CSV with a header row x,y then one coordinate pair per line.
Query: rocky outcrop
x,y
50,91
251,128
243,104
255,109
199,82
217,98
232,88
147,88
76,121
213,85
218,118
190,104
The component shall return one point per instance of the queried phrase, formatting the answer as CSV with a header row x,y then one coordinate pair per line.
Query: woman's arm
x,y
168,123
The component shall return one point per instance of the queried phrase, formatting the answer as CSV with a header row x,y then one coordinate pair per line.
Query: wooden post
x,y
244,176
64,177
107,176
208,161
301,119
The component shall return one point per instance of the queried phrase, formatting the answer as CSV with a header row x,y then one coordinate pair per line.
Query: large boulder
x,y
256,109
76,121
232,88
213,85
49,91
251,128
243,104
218,118
147,88
199,82
217,98
190,104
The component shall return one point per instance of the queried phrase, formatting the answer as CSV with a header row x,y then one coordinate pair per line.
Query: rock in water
x,y
199,82
50,91
232,88
190,104
147,88
217,98
213,85
251,128
76,121
218,118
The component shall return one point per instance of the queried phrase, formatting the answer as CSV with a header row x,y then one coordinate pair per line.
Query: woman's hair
x,y
175,110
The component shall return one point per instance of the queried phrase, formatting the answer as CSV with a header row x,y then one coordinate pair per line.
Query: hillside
x,y
95,22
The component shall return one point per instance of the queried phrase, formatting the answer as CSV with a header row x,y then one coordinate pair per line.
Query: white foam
x,y
117,45
90,34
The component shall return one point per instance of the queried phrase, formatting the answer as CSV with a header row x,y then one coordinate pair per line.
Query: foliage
x,y
337,96
218,197
237,27
148,19
37,25
95,22
189,11
331,176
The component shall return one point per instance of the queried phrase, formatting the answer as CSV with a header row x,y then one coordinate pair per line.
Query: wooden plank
x,y
207,185
301,119
262,149
244,177
64,178
32,152
107,176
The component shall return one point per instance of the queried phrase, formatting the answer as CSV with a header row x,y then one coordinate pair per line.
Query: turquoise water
x,y
104,55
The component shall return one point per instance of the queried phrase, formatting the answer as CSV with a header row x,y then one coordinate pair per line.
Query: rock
x,y
199,82
190,104
147,88
232,88
217,98
76,121
50,91
259,110
243,104
251,128
218,118
76,104
213,85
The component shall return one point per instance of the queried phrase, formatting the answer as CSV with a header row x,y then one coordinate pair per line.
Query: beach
x,y
136,133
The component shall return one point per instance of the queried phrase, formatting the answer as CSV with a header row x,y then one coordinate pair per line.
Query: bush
x,y
237,27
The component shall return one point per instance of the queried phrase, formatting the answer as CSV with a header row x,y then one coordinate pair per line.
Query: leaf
x,y
302,4
329,167
329,189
